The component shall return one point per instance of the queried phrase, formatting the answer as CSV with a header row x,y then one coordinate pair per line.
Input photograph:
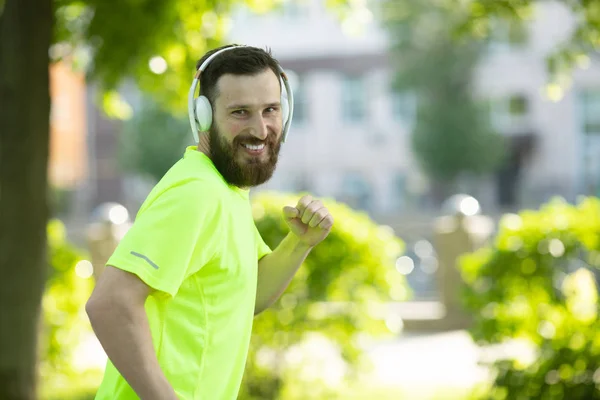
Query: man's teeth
x,y
254,147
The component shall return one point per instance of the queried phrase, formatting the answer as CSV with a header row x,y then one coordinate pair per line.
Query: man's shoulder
x,y
186,170
185,186
190,189
182,177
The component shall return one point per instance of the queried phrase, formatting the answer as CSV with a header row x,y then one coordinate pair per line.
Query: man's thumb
x,y
290,212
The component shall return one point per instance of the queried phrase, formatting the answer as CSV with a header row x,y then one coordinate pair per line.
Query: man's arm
x,y
276,270
310,222
116,312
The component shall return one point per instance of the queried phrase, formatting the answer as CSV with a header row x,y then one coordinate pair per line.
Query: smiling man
x,y
244,142
174,307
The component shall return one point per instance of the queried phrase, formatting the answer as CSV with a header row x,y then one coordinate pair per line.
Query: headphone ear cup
x,y
285,108
203,112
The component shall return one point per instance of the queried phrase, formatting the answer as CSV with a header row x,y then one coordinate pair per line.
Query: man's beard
x,y
248,173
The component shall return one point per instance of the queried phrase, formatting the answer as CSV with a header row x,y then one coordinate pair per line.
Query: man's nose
x,y
260,128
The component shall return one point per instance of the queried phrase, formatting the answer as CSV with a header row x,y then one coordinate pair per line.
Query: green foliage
x,y
452,136
538,285
335,300
153,140
584,40
452,133
124,35
478,19
64,321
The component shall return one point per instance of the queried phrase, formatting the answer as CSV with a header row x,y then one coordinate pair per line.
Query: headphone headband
x,y
192,99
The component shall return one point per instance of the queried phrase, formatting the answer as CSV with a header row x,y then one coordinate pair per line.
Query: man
x,y
174,307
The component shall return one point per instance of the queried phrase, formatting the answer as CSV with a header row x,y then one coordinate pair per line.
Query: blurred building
x,y
67,165
82,168
351,134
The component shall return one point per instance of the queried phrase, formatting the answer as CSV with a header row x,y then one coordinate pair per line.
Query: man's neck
x,y
204,144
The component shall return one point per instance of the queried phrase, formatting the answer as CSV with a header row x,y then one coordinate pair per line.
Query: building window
x,y
399,192
354,99
404,107
302,183
507,35
590,126
517,106
590,100
356,191
295,10
510,113
300,102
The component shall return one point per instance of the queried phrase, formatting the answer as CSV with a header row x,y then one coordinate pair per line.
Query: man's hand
x,y
310,220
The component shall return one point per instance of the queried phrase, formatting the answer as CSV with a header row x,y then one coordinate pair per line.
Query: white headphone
x,y
200,110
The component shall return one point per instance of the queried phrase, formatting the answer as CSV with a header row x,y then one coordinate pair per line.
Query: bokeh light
x,y
118,214
158,65
84,269
469,206
405,265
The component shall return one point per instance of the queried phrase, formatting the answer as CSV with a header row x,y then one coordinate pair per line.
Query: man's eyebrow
x,y
244,106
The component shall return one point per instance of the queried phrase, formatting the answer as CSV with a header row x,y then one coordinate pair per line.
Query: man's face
x,y
245,137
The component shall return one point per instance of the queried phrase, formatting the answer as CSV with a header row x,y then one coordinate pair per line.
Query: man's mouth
x,y
254,147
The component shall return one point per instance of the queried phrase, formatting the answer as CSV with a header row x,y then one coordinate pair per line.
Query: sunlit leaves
x,y
581,295
538,282
262,6
561,61
115,106
478,17
64,322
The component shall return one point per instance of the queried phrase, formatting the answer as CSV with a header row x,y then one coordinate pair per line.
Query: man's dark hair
x,y
244,60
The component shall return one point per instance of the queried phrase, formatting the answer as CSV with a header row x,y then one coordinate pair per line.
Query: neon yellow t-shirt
x,y
195,242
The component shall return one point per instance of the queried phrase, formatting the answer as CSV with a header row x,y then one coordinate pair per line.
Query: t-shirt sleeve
x,y
161,247
262,248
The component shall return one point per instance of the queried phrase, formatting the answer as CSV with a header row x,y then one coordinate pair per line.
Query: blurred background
x,y
457,145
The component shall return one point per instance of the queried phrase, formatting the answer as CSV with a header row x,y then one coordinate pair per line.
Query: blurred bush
x,y
309,341
64,323
537,285
152,141
60,200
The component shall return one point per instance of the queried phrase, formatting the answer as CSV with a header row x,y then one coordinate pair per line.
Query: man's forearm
x,y
276,270
125,335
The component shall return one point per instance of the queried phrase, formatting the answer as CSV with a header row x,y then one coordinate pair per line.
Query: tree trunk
x,y
25,34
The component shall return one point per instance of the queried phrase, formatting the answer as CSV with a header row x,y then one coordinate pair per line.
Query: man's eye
x,y
239,112
271,109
